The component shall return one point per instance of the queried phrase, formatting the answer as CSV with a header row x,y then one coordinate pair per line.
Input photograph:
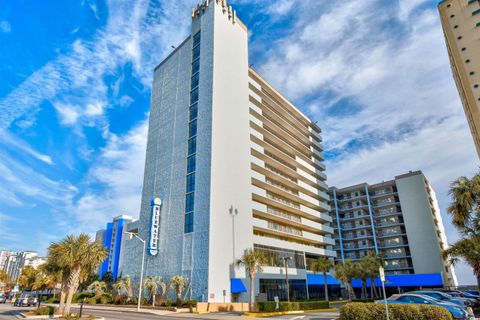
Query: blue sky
x,y
75,80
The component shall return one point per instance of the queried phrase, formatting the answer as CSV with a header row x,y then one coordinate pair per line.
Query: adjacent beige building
x,y
461,25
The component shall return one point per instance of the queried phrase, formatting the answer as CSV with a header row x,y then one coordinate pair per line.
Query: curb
x,y
280,313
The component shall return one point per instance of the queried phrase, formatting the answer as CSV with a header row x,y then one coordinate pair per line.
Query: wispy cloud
x,y
113,184
138,32
10,141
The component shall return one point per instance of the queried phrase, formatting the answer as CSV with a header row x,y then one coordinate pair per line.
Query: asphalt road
x,y
9,312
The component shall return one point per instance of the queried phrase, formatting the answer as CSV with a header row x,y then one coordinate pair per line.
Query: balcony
x,y
361,216
345,208
343,199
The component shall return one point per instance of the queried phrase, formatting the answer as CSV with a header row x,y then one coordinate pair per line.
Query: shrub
x,y
78,297
270,306
375,311
53,300
45,311
365,300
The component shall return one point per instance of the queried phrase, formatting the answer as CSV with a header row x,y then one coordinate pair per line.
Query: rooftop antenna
x,y
173,47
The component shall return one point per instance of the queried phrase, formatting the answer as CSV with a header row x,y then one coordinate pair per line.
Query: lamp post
x,y
285,259
131,234
233,213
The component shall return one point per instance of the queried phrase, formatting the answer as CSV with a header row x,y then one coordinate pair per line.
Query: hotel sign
x,y
154,227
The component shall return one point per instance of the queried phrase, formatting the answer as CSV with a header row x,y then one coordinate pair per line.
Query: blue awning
x,y
317,279
236,286
406,280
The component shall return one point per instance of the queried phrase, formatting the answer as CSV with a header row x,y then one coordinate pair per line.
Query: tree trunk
x,y
63,294
351,292
153,300
372,286
364,289
325,285
252,292
72,286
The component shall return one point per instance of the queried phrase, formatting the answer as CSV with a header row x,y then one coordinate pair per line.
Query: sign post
x,y
382,279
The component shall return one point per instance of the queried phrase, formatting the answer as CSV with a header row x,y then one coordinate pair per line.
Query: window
x,y
467,61
194,95
195,80
193,111
195,66
456,26
191,182
476,86
464,49
459,37
192,146
192,128
189,202
452,16
191,163
474,13
196,53
196,38
418,300
472,73
189,222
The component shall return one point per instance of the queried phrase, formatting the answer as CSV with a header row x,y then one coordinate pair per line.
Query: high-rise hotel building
x,y
461,26
397,219
233,165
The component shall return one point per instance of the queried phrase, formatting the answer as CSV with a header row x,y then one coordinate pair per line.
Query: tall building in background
x,y
18,260
399,220
461,26
111,239
4,255
231,165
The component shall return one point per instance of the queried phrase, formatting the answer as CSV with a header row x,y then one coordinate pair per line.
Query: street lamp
x,y
131,234
285,259
233,213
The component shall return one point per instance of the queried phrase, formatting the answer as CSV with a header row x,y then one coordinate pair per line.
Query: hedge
x,y
375,311
79,296
270,306
45,311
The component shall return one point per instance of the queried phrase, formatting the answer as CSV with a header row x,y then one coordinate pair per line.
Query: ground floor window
x,y
277,288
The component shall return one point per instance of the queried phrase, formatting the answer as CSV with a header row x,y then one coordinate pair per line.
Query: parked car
x,y
459,294
442,296
26,301
455,310
21,302
476,293
3,299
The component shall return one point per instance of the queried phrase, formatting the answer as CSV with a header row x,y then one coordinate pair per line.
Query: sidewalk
x,y
173,314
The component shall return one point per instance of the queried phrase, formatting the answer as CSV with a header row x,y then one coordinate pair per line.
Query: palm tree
x,y
346,272
465,206
123,286
98,287
254,261
364,272
179,283
323,265
27,277
468,249
76,256
151,285
376,261
4,279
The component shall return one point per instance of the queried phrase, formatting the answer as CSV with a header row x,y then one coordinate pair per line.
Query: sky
x,y
75,84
